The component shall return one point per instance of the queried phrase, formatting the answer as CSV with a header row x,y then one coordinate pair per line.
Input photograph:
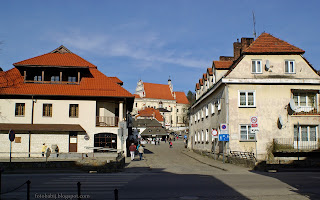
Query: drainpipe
x,y
32,115
227,112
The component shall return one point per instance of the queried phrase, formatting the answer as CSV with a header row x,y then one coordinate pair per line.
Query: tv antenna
x,y
254,26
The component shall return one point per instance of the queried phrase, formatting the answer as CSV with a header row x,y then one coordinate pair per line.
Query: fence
x,y
291,145
106,121
28,183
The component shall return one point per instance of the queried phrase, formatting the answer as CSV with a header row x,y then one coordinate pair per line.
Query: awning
x,y
42,128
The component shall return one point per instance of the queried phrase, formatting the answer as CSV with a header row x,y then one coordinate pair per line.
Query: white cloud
x,y
147,47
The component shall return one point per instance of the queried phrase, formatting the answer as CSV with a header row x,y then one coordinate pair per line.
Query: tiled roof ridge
x,y
257,46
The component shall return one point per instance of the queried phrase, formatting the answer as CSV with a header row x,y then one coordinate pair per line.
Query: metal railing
x,y
106,121
306,110
292,145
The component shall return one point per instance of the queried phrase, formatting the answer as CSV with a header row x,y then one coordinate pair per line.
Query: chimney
x,y
245,43
226,58
236,49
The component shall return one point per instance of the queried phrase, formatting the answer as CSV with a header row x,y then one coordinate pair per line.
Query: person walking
x,y
57,151
141,151
170,143
44,148
132,150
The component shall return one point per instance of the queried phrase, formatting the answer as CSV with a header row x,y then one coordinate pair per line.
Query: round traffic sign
x,y
12,135
254,120
214,132
223,127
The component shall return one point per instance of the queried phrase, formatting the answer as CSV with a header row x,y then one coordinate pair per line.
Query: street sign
x,y
214,133
185,137
254,125
224,137
254,130
223,128
254,120
12,135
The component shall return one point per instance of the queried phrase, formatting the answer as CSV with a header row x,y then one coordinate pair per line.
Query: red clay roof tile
x,y
157,91
181,98
267,43
222,64
209,71
151,112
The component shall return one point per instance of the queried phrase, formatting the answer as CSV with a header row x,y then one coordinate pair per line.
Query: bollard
x,y
79,192
28,189
116,194
0,182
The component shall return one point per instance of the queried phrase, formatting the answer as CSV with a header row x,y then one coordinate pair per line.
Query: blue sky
x,y
152,40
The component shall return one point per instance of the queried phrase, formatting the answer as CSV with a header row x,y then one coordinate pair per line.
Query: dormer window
x,y
37,78
289,66
55,78
72,79
256,66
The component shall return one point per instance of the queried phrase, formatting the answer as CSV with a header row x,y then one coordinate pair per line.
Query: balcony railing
x,y
306,110
291,145
106,121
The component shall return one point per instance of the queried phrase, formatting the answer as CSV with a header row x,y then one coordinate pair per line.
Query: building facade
x,y
62,100
163,98
268,92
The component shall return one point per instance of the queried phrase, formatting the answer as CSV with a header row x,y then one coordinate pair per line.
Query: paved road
x,y
170,173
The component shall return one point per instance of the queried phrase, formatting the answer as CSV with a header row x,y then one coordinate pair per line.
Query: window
x,y
198,115
47,110
20,109
289,66
37,78
245,133
177,110
247,99
55,78
307,99
219,104
202,136
74,110
198,136
213,107
207,135
202,114
195,117
305,133
256,66
195,136
72,79
207,110
136,104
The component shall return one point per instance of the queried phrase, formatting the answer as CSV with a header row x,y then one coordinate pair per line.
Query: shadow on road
x,y
158,184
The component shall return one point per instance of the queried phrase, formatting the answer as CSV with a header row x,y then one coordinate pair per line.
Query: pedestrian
x,y
155,141
170,143
57,151
132,150
44,148
138,147
165,140
141,151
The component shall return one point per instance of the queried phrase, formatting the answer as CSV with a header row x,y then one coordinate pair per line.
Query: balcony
x,y
305,110
106,121
291,145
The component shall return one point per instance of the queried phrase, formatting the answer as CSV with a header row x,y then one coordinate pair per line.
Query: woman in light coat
x,y
141,151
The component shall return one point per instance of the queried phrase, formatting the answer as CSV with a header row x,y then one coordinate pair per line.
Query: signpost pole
x,y
223,152
256,147
214,149
10,150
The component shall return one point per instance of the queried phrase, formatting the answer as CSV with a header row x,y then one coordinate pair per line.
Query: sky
x,y
152,40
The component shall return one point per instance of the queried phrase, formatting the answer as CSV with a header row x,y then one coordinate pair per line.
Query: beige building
x,y
61,99
267,92
163,98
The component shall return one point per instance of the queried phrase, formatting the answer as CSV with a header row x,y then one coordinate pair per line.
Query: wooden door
x,y
73,142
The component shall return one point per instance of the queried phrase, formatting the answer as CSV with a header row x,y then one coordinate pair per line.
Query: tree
x,y
191,96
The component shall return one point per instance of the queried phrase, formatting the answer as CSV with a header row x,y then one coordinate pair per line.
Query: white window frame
x,y
202,113
207,135
254,66
198,136
248,132
202,136
207,110
287,67
213,108
195,136
219,104
199,115
246,93
308,133
298,95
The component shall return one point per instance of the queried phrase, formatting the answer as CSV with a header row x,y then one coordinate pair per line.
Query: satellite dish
x,y
280,120
267,65
293,105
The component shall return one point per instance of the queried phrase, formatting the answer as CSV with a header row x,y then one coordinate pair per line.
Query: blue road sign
x,y
224,137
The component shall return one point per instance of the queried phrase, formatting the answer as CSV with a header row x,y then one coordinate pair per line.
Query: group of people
x,y
133,148
45,149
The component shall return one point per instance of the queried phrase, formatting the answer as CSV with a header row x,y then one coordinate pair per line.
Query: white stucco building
x,y
268,80
61,99
164,98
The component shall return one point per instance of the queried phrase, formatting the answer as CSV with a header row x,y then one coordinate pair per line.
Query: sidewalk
x,y
136,165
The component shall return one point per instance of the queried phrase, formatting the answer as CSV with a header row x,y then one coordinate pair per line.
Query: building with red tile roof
x,y
158,96
61,89
150,113
266,93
